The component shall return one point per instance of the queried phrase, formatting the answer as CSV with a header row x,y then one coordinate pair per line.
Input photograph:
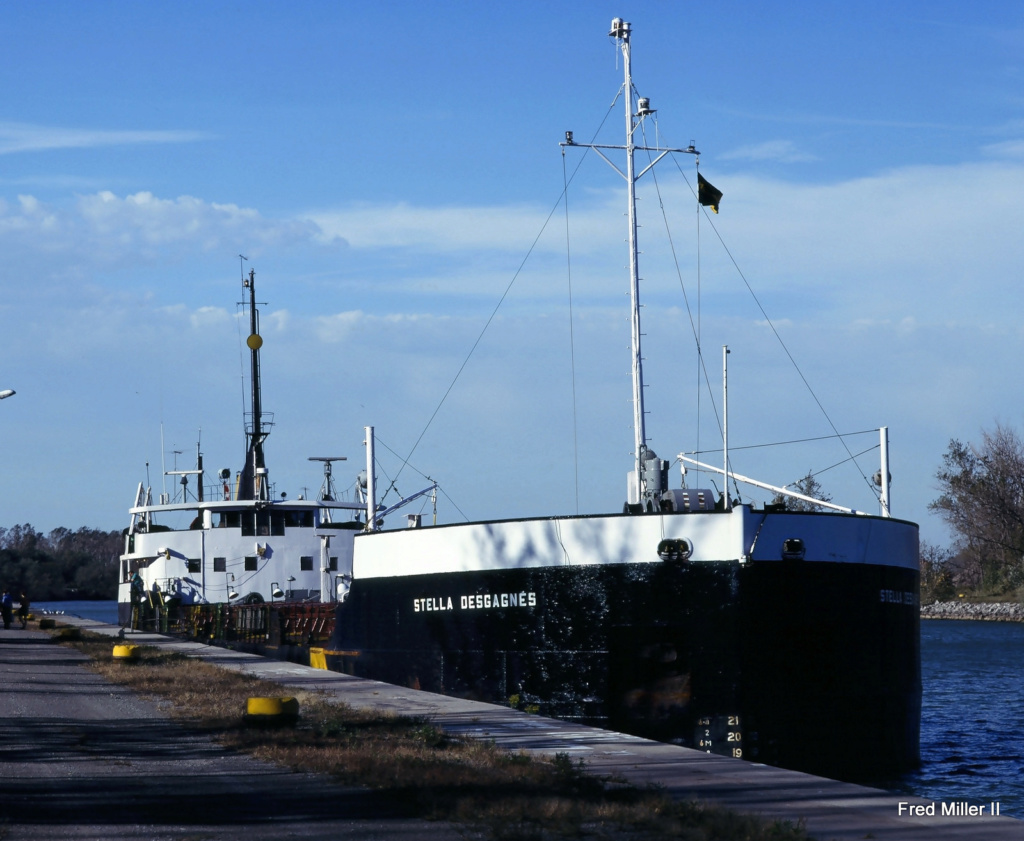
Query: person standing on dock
x,y
7,608
23,606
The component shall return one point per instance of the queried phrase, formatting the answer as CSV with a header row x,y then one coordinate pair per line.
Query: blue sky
x,y
386,169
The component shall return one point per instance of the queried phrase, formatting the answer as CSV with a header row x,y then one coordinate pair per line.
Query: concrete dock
x,y
829,809
84,759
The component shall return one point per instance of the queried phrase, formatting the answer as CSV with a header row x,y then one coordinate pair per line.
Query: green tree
x,y
937,574
808,486
64,564
982,501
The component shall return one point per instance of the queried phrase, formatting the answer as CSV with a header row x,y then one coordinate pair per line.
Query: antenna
x,y
327,491
163,466
241,268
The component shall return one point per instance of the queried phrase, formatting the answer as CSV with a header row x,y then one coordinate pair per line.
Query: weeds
x,y
505,796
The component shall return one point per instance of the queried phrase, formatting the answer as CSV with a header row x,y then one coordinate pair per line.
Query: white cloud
x,y
143,220
784,151
206,318
1005,149
104,229
277,321
336,328
432,228
26,137
929,242
343,326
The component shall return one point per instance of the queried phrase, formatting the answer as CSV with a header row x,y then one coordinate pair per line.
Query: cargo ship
x,y
782,636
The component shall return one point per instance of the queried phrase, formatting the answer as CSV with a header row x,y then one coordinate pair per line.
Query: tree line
x,y
981,498
64,564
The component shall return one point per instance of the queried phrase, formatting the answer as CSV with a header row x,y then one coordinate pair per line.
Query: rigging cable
x,y
852,458
794,441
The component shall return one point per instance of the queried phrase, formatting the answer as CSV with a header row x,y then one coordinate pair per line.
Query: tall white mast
x,y
725,425
371,481
621,31
636,110
883,473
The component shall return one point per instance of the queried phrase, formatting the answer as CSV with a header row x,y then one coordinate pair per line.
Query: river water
x,y
972,713
972,738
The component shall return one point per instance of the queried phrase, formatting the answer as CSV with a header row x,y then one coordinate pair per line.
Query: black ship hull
x,y
807,665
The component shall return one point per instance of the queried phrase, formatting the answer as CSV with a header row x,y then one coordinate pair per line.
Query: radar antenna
x,y
327,490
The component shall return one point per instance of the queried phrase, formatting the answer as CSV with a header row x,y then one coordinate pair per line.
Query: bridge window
x,y
230,520
262,523
299,519
277,521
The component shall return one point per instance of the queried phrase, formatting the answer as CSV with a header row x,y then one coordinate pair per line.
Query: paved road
x,y
83,759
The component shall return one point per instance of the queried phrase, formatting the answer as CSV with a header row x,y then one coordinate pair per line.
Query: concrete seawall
x,y
988,611
83,759
829,809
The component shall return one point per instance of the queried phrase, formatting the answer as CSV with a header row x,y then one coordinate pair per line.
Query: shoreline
x,y
985,611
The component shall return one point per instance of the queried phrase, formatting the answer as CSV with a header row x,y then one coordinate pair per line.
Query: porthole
x,y
675,550
793,549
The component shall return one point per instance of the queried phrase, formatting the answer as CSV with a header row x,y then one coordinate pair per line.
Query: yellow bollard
x,y
271,710
124,653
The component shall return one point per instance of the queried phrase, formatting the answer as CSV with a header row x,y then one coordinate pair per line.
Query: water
x,y
972,741
100,611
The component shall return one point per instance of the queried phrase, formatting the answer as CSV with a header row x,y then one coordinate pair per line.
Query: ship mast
x,y
254,478
621,31
641,496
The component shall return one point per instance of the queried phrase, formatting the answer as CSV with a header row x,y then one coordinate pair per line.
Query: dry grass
x,y
500,795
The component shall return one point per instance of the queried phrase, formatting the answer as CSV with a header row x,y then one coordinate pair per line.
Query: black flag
x,y
707,194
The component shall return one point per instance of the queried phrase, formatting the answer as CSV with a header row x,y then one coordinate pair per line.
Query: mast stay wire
x,y
793,441
501,300
853,457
